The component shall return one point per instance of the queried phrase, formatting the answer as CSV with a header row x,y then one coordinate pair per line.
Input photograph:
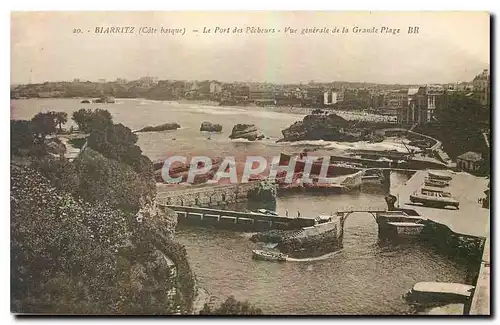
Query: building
x,y
261,92
314,95
411,107
422,104
470,161
332,97
357,98
434,93
215,88
482,86
396,102
377,100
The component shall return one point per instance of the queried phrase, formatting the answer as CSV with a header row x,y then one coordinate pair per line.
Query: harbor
x,y
222,256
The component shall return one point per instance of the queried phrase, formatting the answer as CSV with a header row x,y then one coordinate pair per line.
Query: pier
x,y
237,220
472,220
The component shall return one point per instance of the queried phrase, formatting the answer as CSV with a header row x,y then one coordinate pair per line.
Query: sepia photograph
x,y
250,163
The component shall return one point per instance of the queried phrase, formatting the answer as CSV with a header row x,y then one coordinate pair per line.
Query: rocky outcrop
x,y
329,127
162,127
246,131
300,247
209,127
262,196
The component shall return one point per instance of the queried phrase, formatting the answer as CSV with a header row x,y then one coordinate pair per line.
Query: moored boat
x,y
434,197
405,229
439,293
435,182
258,254
441,175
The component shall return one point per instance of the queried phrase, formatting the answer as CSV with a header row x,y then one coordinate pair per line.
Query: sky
x,y
450,47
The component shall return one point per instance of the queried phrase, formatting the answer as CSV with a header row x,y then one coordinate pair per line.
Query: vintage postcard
x,y
250,163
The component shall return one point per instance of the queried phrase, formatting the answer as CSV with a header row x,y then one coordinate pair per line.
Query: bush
x,y
232,307
61,173
118,142
22,136
70,256
111,181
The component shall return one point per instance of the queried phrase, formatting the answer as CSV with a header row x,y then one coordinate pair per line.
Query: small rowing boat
x,y
258,254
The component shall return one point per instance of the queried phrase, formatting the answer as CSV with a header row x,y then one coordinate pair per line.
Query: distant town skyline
x,y
451,47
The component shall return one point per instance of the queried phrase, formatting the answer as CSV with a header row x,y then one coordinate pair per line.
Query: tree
x,y
119,143
460,123
88,120
61,118
44,124
21,136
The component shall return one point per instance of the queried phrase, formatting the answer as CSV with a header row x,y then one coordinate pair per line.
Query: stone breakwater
x,y
459,246
207,196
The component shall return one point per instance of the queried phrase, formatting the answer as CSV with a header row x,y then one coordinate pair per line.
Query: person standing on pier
x,y
286,212
298,214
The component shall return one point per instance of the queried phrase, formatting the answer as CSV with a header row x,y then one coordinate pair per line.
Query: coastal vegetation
x,y
78,245
232,307
460,125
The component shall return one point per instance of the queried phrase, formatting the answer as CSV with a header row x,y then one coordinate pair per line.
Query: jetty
x,y
249,221
472,220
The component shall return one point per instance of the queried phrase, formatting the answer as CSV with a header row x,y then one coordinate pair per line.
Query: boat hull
x,y
432,203
268,256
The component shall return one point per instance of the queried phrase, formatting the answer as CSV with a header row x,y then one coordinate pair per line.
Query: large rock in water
x,y
162,127
209,127
246,131
329,127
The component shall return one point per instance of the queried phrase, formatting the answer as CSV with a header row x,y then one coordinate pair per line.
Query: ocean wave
x,y
360,145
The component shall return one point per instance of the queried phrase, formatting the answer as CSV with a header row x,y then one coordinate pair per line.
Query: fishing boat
x,y
439,293
433,197
405,229
441,175
435,182
258,254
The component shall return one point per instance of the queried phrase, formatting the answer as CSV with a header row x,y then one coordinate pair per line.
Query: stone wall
x,y
458,246
208,196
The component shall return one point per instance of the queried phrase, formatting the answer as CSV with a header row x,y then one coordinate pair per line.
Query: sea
x,y
365,277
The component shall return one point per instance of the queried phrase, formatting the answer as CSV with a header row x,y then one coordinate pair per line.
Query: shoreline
x,y
296,110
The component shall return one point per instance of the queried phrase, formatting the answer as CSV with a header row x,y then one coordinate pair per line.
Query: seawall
x,y
205,196
480,304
